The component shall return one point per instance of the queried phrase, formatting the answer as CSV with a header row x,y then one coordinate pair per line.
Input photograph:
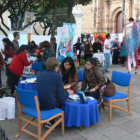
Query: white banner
x,y
29,17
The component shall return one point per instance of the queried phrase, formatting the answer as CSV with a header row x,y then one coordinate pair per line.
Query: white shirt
x,y
107,42
130,25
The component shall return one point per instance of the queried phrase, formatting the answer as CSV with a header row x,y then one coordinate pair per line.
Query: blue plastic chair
x,y
124,80
80,75
29,99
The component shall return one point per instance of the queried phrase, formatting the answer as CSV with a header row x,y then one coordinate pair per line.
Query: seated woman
x,y
93,78
69,74
32,48
50,86
16,67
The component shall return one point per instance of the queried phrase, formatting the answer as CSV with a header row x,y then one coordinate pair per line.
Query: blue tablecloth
x,y
77,114
24,77
27,86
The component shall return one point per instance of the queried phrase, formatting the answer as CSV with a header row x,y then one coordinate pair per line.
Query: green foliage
x,y
82,60
43,11
83,2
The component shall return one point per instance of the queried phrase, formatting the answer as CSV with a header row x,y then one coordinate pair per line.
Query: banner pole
x,y
29,37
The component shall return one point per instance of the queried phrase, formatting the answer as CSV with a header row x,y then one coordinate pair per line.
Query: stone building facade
x,y
106,15
99,16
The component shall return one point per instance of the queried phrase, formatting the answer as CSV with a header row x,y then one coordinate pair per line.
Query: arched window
x,y
119,22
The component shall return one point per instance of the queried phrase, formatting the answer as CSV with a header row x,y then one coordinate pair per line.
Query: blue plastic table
x,y
77,114
37,66
27,86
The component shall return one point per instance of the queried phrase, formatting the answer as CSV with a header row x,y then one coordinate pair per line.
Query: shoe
x,y
135,72
48,125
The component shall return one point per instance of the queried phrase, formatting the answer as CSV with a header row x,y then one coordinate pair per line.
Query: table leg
x,y
81,127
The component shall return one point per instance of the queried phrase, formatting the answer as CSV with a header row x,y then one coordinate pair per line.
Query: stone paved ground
x,y
122,126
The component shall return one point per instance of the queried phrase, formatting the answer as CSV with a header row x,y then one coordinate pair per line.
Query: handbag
x,y
110,89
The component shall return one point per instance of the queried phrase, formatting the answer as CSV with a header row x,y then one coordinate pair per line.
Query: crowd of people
x,y
15,58
51,82
55,75
115,52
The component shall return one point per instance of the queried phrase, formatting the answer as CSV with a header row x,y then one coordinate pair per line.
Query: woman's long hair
x,y
71,72
45,44
22,48
8,43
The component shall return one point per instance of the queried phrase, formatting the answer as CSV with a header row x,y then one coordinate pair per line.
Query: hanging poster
x,y
29,17
101,36
66,44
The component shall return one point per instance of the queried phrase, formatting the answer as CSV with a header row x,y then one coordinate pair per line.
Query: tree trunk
x,y
35,29
69,11
50,30
2,21
53,26
3,31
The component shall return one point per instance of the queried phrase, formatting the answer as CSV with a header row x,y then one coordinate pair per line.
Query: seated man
x,y
50,86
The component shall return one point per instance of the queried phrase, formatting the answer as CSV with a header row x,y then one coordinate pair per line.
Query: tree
x,y
3,7
46,21
17,12
71,4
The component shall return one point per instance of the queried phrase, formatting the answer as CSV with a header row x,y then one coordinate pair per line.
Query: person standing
x,y
15,41
132,57
17,66
97,47
116,51
8,52
1,65
88,49
32,48
78,49
123,52
45,53
8,49
107,48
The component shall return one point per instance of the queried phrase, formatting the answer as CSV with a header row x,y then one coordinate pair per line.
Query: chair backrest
x,y
80,75
121,78
26,97
37,66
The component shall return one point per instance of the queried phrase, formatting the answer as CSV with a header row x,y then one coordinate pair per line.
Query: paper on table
x,y
74,97
23,82
91,98
31,80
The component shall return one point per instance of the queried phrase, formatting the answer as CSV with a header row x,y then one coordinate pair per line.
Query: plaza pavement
x,y
122,126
